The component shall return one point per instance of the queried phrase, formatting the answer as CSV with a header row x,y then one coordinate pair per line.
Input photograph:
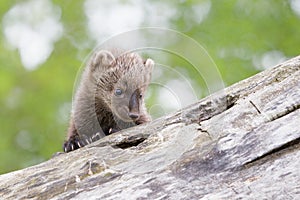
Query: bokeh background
x,y
44,43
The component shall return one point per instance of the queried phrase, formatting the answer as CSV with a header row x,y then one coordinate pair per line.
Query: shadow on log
x,y
242,142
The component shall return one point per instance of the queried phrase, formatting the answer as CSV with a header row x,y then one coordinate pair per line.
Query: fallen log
x,y
241,142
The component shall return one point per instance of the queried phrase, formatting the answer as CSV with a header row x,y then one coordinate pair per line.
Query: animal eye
x,y
118,92
141,96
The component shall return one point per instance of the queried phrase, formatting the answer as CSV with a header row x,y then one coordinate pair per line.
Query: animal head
x,y
121,81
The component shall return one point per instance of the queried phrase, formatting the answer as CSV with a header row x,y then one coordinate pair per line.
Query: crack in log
x,y
255,107
128,144
176,121
292,145
286,111
212,108
204,110
231,99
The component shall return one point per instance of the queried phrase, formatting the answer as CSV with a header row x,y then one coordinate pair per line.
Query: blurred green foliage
x,y
241,36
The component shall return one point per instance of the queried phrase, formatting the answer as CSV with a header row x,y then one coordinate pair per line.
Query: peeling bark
x,y
241,142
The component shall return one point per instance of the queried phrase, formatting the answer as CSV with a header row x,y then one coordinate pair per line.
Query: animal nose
x,y
133,115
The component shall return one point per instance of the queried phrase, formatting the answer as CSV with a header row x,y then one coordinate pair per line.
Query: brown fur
x,y
110,97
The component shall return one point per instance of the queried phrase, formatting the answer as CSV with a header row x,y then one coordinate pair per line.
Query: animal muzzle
x,y
134,106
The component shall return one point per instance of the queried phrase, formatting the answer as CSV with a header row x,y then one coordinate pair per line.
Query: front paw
x,y
74,143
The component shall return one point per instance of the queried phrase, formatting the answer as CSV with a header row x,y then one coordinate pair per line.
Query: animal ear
x,y
149,63
101,60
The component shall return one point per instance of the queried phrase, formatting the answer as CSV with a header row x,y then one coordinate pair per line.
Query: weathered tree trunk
x,y
239,143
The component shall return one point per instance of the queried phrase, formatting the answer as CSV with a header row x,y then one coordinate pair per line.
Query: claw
x,y
110,130
87,141
72,147
65,149
94,136
78,143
